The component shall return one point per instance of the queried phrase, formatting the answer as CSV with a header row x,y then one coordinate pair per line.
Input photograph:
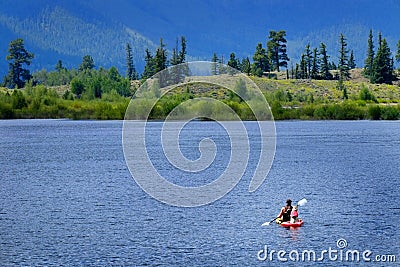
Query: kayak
x,y
289,224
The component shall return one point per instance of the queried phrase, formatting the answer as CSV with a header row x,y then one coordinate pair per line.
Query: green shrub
x,y
374,112
366,95
6,111
390,113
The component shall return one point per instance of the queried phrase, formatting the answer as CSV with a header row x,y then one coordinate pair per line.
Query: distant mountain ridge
x,y
56,31
68,30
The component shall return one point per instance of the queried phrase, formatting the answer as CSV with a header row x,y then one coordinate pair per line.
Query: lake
x,y
68,198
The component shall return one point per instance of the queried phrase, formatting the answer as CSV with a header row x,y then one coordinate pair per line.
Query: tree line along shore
x,y
315,88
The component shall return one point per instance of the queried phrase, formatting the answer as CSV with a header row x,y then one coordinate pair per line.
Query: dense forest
x,y
49,28
294,92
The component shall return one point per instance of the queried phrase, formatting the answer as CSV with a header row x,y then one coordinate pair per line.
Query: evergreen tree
x,y
307,61
182,52
345,95
315,64
232,62
260,61
297,71
369,61
398,51
160,59
292,72
214,65
180,71
175,58
160,64
277,49
343,64
179,56
77,87
382,71
366,95
246,66
379,40
221,59
341,87
352,63
131,73
303,67
18,57
324,68
221,65
87,63
392,68
149,68
59,66
175,61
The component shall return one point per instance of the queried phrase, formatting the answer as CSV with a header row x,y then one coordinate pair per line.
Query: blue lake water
x,y
68,198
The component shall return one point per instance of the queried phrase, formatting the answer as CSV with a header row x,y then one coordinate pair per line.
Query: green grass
x,y
288,99
326,91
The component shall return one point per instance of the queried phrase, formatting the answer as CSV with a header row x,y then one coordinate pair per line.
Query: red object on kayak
x,y
296,224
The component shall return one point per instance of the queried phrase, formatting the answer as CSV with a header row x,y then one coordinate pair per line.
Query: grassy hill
x,y
326,92
288,99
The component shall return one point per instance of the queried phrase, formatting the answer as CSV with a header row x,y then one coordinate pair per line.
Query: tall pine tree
x,y
131,73
233,62
175,55
398,51
182,52
160,64
246,66
18,57
160,59
59,66
382,71
352,63
178,57
369,61
324,68
277,49
303,71
343,64
315,64
297,71
308,61
221,66
175,61
379,39
149,68
87,63
214,64
260,61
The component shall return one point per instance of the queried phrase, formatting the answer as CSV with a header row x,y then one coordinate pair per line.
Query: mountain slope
x,y
54,33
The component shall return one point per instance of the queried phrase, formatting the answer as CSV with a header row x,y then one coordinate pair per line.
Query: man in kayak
x,y
285,211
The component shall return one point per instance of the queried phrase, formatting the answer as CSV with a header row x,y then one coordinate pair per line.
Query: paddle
x,y
268,223
300,203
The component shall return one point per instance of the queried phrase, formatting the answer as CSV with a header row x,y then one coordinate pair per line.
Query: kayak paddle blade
x,y
265,224
302,202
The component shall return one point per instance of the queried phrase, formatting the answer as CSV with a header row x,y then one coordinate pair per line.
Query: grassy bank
x,y
321,100
288,99
45,103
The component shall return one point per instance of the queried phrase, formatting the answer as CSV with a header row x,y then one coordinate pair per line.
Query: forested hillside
x,y
68,30
60,34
